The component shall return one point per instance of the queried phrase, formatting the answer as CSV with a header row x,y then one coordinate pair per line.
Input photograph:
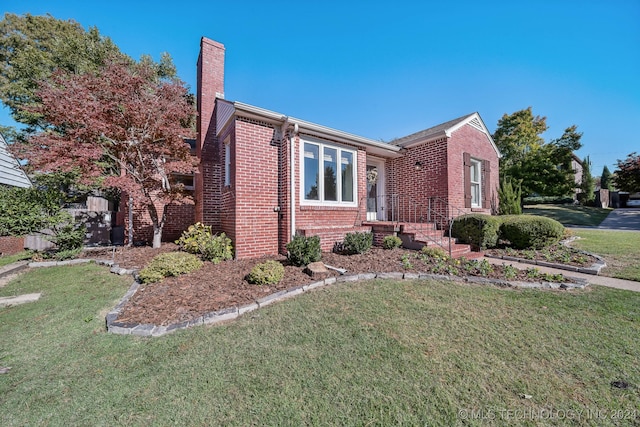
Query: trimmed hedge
x,y
530,231
522,231
391,242
357,243
478,230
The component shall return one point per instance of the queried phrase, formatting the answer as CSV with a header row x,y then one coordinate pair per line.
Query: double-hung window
x,y
476,183
328,174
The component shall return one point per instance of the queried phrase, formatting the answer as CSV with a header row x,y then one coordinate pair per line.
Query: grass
x,y
10,259
570,214
621,250
373,353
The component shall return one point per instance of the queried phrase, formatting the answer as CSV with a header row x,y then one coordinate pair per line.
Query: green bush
x,y
67,235
553,200
357,243
391,242
266,273
530,231
169,264
477,229
304,250
28,210
510,196
198,239
434,252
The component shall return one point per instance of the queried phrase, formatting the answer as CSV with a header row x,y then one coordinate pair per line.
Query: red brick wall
x,y
331,223
470,140
10,245
257,163
180,215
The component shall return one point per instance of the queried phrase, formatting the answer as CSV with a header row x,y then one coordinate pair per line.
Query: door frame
x,y
380,186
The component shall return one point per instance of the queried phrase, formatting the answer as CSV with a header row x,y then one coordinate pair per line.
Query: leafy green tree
x,y
588,183
605,178
627,175
33,47
541,168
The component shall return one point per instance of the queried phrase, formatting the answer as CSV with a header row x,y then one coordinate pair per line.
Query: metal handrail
x,y
400,208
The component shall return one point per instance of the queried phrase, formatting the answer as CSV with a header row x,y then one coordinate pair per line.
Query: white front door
x,y
375,190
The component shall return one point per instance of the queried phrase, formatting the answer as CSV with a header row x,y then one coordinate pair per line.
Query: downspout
x,y
292,161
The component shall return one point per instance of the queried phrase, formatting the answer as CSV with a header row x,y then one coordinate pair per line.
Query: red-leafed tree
x,y
627,176
122,127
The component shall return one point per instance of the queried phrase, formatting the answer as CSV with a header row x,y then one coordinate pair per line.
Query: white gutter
x,y
376,147
292,161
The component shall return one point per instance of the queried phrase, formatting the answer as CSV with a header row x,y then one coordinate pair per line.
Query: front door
x,y
375,190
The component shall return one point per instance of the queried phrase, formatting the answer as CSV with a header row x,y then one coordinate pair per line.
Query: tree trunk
x,y
157,235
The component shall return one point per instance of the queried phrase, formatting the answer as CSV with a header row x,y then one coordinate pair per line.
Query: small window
x,y
328,174
187,180
476,183
227,163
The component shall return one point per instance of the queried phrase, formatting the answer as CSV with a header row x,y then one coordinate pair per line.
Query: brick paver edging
x,y
593,269
149,330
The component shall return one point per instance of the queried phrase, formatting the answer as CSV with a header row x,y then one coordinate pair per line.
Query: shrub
x,y
194,239
530,231
67,235
304,250
357,243
169,264
266,273
555,200
477,229
198,239
510,195
391,242
67,254
434,252
218,248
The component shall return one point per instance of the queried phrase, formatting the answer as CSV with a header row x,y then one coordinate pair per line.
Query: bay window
x,y
328,174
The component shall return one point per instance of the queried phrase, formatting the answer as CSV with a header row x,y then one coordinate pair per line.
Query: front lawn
x,y
570,214
621,250
373,353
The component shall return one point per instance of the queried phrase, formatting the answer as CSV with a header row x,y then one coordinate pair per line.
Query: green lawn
x,y
570,214
10,259
374,353
621,250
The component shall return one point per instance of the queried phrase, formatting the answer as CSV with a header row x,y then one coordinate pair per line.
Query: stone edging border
x,y
594,269
149,330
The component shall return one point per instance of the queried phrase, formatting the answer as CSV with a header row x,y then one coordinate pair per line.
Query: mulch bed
x,y
219,286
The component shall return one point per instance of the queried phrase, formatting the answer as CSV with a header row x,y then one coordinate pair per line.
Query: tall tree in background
x,y
605,178
588,183
121,126
541,168
627,176
33,47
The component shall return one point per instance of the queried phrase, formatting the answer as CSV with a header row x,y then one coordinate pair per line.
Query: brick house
x,y
265,176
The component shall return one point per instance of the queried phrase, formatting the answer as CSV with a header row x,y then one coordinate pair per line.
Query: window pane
x,y
330,174
311,171
346,163
475,194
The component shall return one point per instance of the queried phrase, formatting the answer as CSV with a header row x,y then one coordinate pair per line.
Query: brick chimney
x,y
210,81
210,75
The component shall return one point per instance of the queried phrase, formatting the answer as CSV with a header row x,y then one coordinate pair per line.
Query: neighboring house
x,y
10,172
265,176
576,166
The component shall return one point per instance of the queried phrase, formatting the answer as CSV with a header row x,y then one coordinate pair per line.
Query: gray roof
x,y
10,172
435,131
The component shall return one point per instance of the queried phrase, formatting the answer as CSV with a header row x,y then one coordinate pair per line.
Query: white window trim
x,y
227,162
321,202
475,163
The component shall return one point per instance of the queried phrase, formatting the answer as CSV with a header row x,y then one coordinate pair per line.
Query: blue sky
x,y
387,69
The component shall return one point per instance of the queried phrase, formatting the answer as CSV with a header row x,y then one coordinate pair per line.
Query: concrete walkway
x,y
622,219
